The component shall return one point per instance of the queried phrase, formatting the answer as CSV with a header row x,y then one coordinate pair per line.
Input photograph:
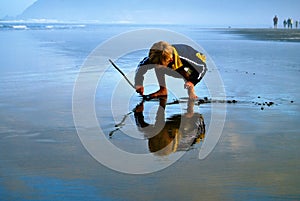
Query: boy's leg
x,y
192,94
191,90
160,75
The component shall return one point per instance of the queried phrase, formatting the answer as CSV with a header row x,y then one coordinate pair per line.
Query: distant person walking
x,y
284,23
275,21
296,24
290,23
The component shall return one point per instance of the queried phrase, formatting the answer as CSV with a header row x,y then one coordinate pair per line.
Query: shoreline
x,y
268,34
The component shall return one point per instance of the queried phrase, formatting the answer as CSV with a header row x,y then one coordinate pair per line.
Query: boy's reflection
x,y
177,133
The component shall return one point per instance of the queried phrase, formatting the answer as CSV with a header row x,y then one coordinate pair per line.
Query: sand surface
x,y
256,157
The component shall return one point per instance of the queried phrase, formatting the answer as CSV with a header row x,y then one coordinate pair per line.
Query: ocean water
x,y
42,157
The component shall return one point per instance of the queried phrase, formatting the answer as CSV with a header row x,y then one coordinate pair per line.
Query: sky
x,y
13,7
213,12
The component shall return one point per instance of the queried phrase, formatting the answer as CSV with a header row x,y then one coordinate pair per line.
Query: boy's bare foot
x,y
192,96
162,92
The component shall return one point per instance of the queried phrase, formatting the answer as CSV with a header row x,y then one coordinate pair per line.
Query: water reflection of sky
x,y
257,157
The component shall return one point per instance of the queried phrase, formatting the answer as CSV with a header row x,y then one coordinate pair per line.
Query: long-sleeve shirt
x,y
187,63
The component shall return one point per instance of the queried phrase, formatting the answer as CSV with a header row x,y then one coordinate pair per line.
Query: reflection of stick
x,y
116,67
119,125
123,120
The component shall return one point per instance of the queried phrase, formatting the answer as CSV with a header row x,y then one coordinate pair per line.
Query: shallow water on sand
x,y
42,157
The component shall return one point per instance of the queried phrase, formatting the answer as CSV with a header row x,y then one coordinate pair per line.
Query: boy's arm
x,y
141,70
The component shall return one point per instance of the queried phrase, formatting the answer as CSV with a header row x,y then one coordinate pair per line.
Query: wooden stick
x,y
118,69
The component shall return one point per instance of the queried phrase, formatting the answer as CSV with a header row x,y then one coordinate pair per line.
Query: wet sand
x,y
288,35
256,158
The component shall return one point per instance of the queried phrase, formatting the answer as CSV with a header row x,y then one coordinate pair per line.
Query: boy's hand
x,y
139,89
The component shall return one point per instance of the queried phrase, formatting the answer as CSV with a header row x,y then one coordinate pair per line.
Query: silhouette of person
x,y
284,23
290,23
177,133
275,21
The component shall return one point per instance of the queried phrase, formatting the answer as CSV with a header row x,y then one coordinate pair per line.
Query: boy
x,y
181,61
